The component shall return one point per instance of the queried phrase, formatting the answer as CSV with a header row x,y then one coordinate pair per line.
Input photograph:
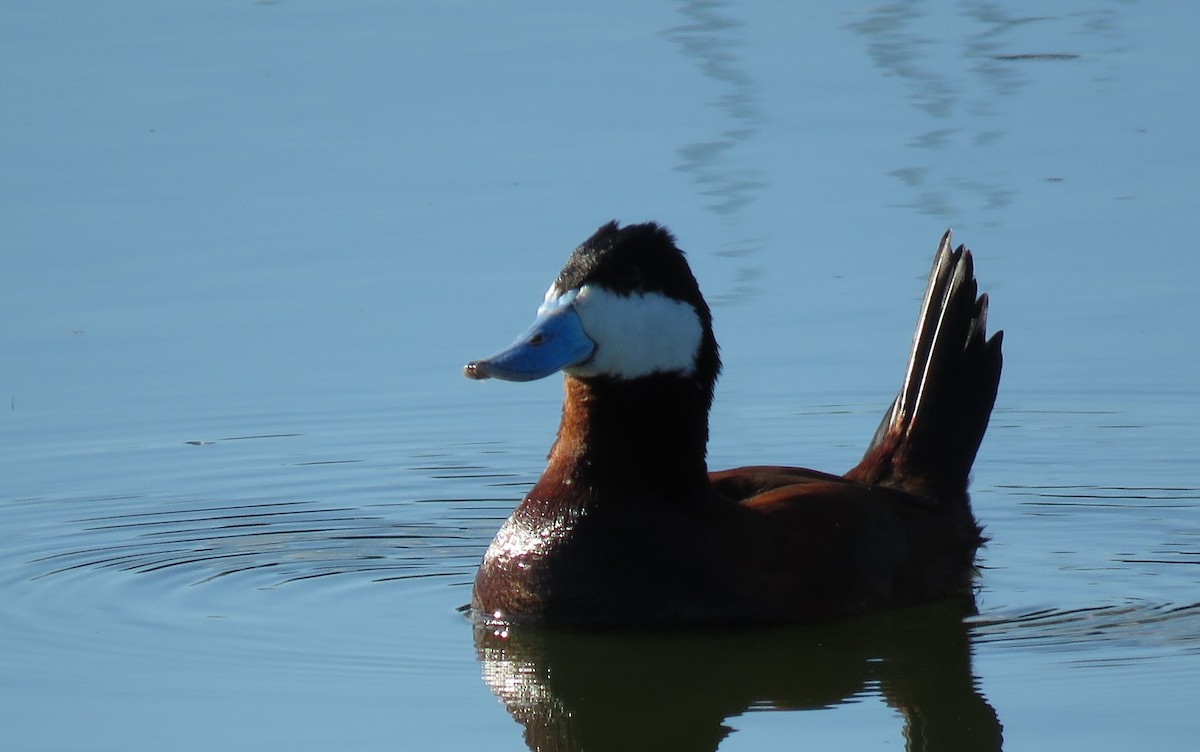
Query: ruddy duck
x,y
626,524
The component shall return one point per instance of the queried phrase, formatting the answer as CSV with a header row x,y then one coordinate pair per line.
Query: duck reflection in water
x,y
630,691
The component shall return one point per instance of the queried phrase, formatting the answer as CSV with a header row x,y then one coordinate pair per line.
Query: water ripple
x,y
1135,625
376,533
1107,496
297,540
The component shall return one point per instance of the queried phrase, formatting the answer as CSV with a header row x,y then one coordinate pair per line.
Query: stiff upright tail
x,y
929,436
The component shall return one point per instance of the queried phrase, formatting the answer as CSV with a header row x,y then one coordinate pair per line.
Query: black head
x,y
633,259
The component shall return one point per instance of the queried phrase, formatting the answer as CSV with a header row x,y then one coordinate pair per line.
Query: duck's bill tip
x,y
507,366
476,370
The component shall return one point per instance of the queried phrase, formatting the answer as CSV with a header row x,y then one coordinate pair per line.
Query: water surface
x,y
247,247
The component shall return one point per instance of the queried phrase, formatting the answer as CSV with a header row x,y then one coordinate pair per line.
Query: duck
x,y
627,526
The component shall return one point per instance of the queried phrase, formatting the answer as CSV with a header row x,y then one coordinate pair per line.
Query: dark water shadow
x,y
677,691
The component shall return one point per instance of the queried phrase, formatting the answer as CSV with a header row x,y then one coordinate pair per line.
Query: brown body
x,y
627,526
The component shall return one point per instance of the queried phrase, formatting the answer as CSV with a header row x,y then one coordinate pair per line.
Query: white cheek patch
x,y
637,335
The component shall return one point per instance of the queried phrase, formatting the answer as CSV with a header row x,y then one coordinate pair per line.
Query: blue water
x,y
246,247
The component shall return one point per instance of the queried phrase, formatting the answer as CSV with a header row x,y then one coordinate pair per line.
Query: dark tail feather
x,y
928,438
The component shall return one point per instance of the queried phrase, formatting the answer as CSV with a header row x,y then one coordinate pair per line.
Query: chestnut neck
x,y
647,435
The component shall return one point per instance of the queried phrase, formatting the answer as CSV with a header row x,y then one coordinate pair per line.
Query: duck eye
x,y
537,339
